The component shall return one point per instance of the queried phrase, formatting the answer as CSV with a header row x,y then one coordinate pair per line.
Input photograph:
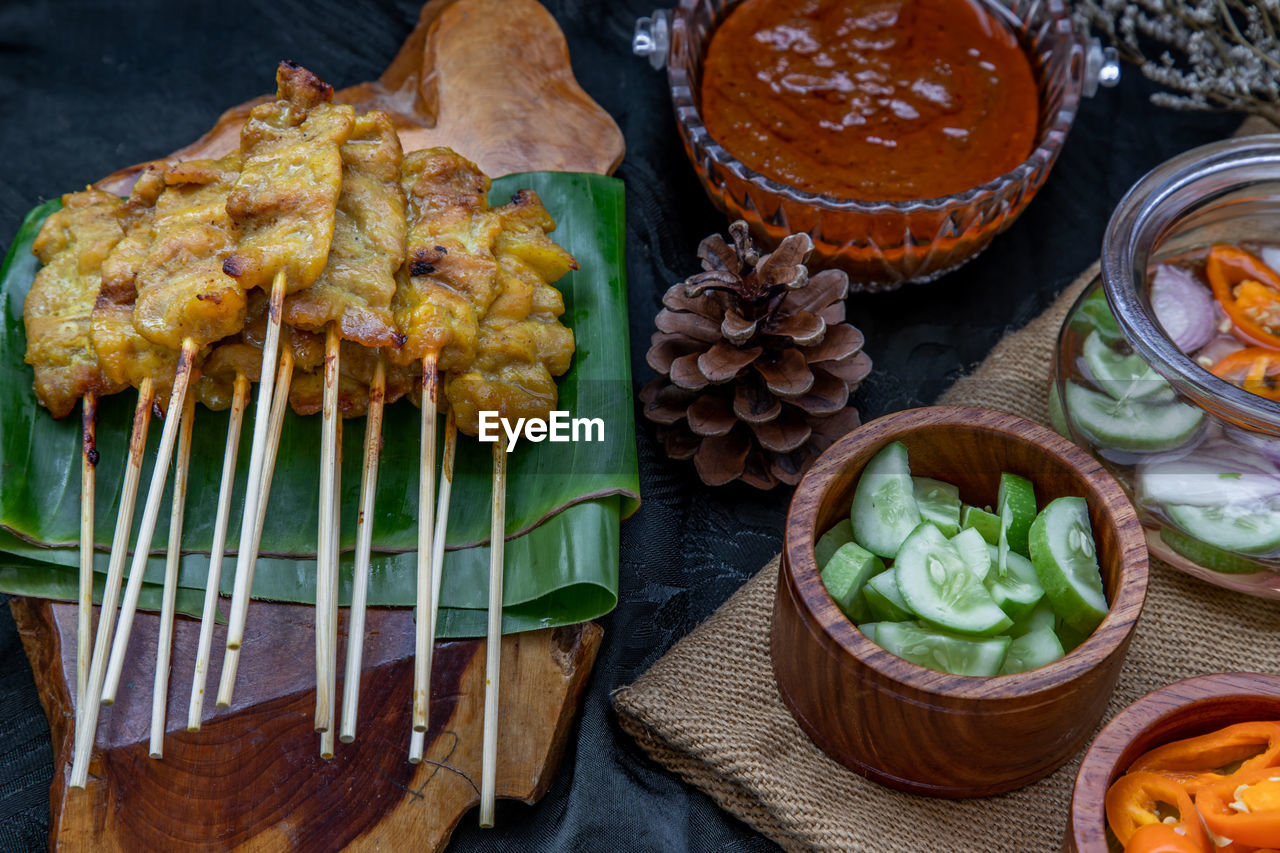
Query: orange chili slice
x,y
1244,807
1164,838
1197,760
1255,369
1249,291
1134,801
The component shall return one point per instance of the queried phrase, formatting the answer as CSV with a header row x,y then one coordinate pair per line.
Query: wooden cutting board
x,y
490,78
252,777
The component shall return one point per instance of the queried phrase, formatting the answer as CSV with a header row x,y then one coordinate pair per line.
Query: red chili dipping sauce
x,y
876,100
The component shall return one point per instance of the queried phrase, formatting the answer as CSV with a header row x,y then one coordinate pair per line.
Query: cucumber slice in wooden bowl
x,y
908,724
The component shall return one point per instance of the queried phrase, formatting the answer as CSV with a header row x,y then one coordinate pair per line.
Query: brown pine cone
x,y
756,363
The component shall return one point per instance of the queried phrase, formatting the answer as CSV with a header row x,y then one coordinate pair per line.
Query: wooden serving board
x,y
252,777
492,79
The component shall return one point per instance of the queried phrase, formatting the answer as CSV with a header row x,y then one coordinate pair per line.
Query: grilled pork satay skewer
x,y
521,347
418,741
493,639
351,300
225,382
164,645
447,283
327,542
331,662
239,400
126,358
57,311
88,485
363,371
364,547
185,302
286,212
297,349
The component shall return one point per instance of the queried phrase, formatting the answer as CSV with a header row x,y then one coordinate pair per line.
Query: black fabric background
x,y
87,87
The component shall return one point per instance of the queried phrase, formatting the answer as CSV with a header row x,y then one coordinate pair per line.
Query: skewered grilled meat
x,y
182,291
448,279
243,354
126,357
355,376
72,245
358,282
218,372
522,344
286,194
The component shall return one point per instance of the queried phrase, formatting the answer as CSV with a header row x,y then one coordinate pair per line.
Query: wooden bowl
x,y
930,732
1183,709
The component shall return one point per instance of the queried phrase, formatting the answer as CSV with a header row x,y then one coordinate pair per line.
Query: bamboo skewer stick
x,y
327,736
417,743
88,468
247,556
364,547
326,556
87,713
239,400
279,403
150,513
164,646
426,504
493,641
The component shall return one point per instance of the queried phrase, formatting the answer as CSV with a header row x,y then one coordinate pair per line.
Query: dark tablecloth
x,y
87,87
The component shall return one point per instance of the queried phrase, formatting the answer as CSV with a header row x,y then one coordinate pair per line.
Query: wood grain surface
x,y
252,778
1184,709
929,732
489,78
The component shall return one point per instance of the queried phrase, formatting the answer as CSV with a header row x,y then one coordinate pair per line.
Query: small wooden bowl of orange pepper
x,y
1184,769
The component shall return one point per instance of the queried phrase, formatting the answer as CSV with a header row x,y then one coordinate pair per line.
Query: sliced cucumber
x,y
1057,416
1018,495
1071,637
986,523
939,503
830,542
1041,616
1032,650
1093,313
1124,377
870,629
1246,529
938,586
973,550
1019,590
943,651
1066,562
1131,425
845,574
1002,543
1204,554
884,506
884,602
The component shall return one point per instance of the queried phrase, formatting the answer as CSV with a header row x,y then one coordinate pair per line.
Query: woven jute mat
x,y
709,710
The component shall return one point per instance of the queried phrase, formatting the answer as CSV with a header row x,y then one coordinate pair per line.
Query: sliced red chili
x,y
1249,291
1255,369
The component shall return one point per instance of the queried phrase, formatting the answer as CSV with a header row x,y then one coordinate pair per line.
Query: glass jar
x,y
882,244
1199,455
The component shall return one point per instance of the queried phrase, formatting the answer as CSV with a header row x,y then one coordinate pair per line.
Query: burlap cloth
x,y
710,710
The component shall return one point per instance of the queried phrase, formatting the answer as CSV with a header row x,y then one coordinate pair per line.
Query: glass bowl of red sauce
x,y
1168,366
901,135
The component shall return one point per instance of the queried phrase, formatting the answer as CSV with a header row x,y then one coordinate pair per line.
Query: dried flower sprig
x,y
1214,54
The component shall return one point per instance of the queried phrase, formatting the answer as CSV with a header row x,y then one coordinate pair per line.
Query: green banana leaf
x,y
40,580
564,501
